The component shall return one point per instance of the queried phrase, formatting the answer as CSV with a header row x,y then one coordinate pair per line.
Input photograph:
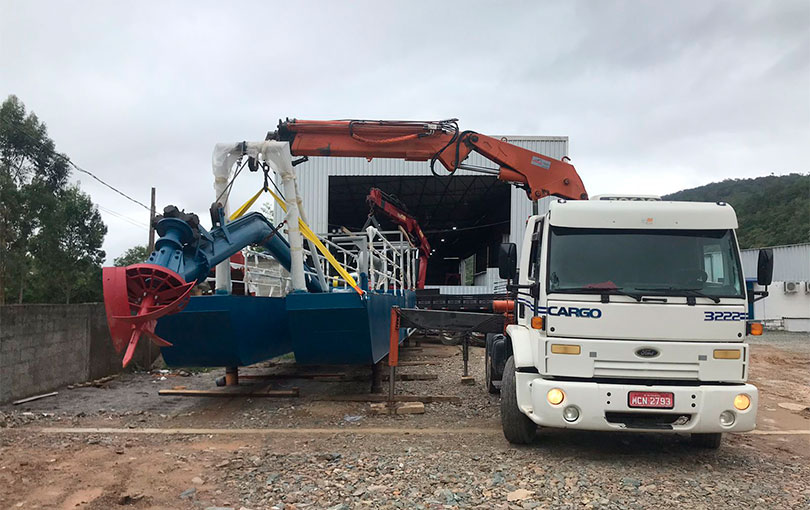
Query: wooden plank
x,y
291,376
385,377
291,393
35,397
416,363
413,377
373,397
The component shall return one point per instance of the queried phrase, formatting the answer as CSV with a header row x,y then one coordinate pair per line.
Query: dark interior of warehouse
x,y
461,215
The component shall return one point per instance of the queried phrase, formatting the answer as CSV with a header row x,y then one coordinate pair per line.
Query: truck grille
x,y
645,369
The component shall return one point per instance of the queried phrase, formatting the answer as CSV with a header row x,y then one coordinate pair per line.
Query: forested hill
x,y
771,210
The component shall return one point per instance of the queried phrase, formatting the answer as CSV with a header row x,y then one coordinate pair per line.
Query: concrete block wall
x,y
45,347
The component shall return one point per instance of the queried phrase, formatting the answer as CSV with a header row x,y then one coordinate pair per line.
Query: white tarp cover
x,y
277,155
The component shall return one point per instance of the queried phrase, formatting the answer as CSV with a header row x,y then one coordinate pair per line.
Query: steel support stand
x,y
392,377
231,376
393,356
465,351
376,377
465,347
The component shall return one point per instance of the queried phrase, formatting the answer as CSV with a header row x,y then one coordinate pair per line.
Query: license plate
x,y
655,399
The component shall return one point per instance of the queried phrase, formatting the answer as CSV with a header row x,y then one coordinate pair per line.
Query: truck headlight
x,y
727,418
555,396
742,402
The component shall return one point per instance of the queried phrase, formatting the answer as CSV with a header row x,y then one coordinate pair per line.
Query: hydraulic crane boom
x,y
380,201
441,141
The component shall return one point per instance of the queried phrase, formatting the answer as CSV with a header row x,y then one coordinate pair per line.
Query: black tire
x,y
450,338
517,427
491,388
477,340
708,441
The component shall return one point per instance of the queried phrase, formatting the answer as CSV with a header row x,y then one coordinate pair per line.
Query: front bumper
x,y
604,406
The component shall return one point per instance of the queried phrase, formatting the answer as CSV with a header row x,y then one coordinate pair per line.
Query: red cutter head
x,y
135,297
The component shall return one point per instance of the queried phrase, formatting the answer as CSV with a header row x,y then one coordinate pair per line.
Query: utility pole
x,y
149,250
151,224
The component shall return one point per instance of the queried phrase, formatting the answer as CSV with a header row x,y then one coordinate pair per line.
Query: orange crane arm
x,y
381,201
440,141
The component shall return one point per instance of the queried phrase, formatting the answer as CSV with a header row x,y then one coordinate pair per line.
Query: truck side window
x,y
534,255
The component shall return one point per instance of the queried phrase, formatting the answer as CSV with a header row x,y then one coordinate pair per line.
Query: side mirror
x,y
507,261
765,267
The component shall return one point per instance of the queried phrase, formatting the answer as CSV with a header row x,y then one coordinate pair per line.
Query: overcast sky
x,y
655,96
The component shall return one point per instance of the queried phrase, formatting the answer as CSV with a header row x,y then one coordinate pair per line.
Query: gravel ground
x,y
357,470
453,456
785,340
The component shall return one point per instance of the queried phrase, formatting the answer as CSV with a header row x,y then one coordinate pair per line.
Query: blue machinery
x,y
322,326
190,251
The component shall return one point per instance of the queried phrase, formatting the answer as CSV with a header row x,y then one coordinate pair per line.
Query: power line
x,y
77,167
80,169
121,216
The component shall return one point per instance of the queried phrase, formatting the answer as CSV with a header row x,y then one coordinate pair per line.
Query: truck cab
x,y
629,315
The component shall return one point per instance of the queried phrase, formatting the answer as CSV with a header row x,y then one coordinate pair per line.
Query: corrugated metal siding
x,y
790,263
313,180
455,290
488,279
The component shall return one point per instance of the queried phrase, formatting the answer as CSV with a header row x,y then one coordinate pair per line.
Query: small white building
x,y
788,303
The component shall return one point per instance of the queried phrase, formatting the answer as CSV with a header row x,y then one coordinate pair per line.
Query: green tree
x,y
134,255
50,233
67,250
771,210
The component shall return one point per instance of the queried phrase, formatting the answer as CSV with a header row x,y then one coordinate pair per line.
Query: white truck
x,y
630,314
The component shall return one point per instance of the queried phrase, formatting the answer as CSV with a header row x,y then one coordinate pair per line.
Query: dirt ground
x,y
123,446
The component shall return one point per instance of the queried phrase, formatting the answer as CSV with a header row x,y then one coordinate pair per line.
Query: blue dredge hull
x,y
319,328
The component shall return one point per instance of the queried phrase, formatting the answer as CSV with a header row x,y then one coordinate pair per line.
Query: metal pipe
x,y
480,169
282,162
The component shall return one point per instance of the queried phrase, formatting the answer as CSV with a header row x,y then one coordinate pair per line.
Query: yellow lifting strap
x,y
308,233
242,210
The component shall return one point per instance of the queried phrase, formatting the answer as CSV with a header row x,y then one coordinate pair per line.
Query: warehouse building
x,y
465,215
788,303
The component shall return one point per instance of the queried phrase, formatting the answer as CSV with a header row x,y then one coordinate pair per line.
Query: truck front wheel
x,y
489,369
517,427
710,441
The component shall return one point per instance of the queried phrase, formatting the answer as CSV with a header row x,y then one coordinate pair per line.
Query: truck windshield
x,y
649,262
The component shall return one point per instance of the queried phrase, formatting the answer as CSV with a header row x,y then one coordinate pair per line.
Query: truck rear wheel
x,y
517,427
710,441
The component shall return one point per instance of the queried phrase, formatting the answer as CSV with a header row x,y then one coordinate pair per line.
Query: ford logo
x,y
647,352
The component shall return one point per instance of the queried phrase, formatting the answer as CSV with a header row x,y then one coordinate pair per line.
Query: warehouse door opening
x,y
464,217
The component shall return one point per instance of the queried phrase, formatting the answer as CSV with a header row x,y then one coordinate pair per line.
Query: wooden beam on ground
x,y
296,375
291,393
385,377
416,363
413,377
384,398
